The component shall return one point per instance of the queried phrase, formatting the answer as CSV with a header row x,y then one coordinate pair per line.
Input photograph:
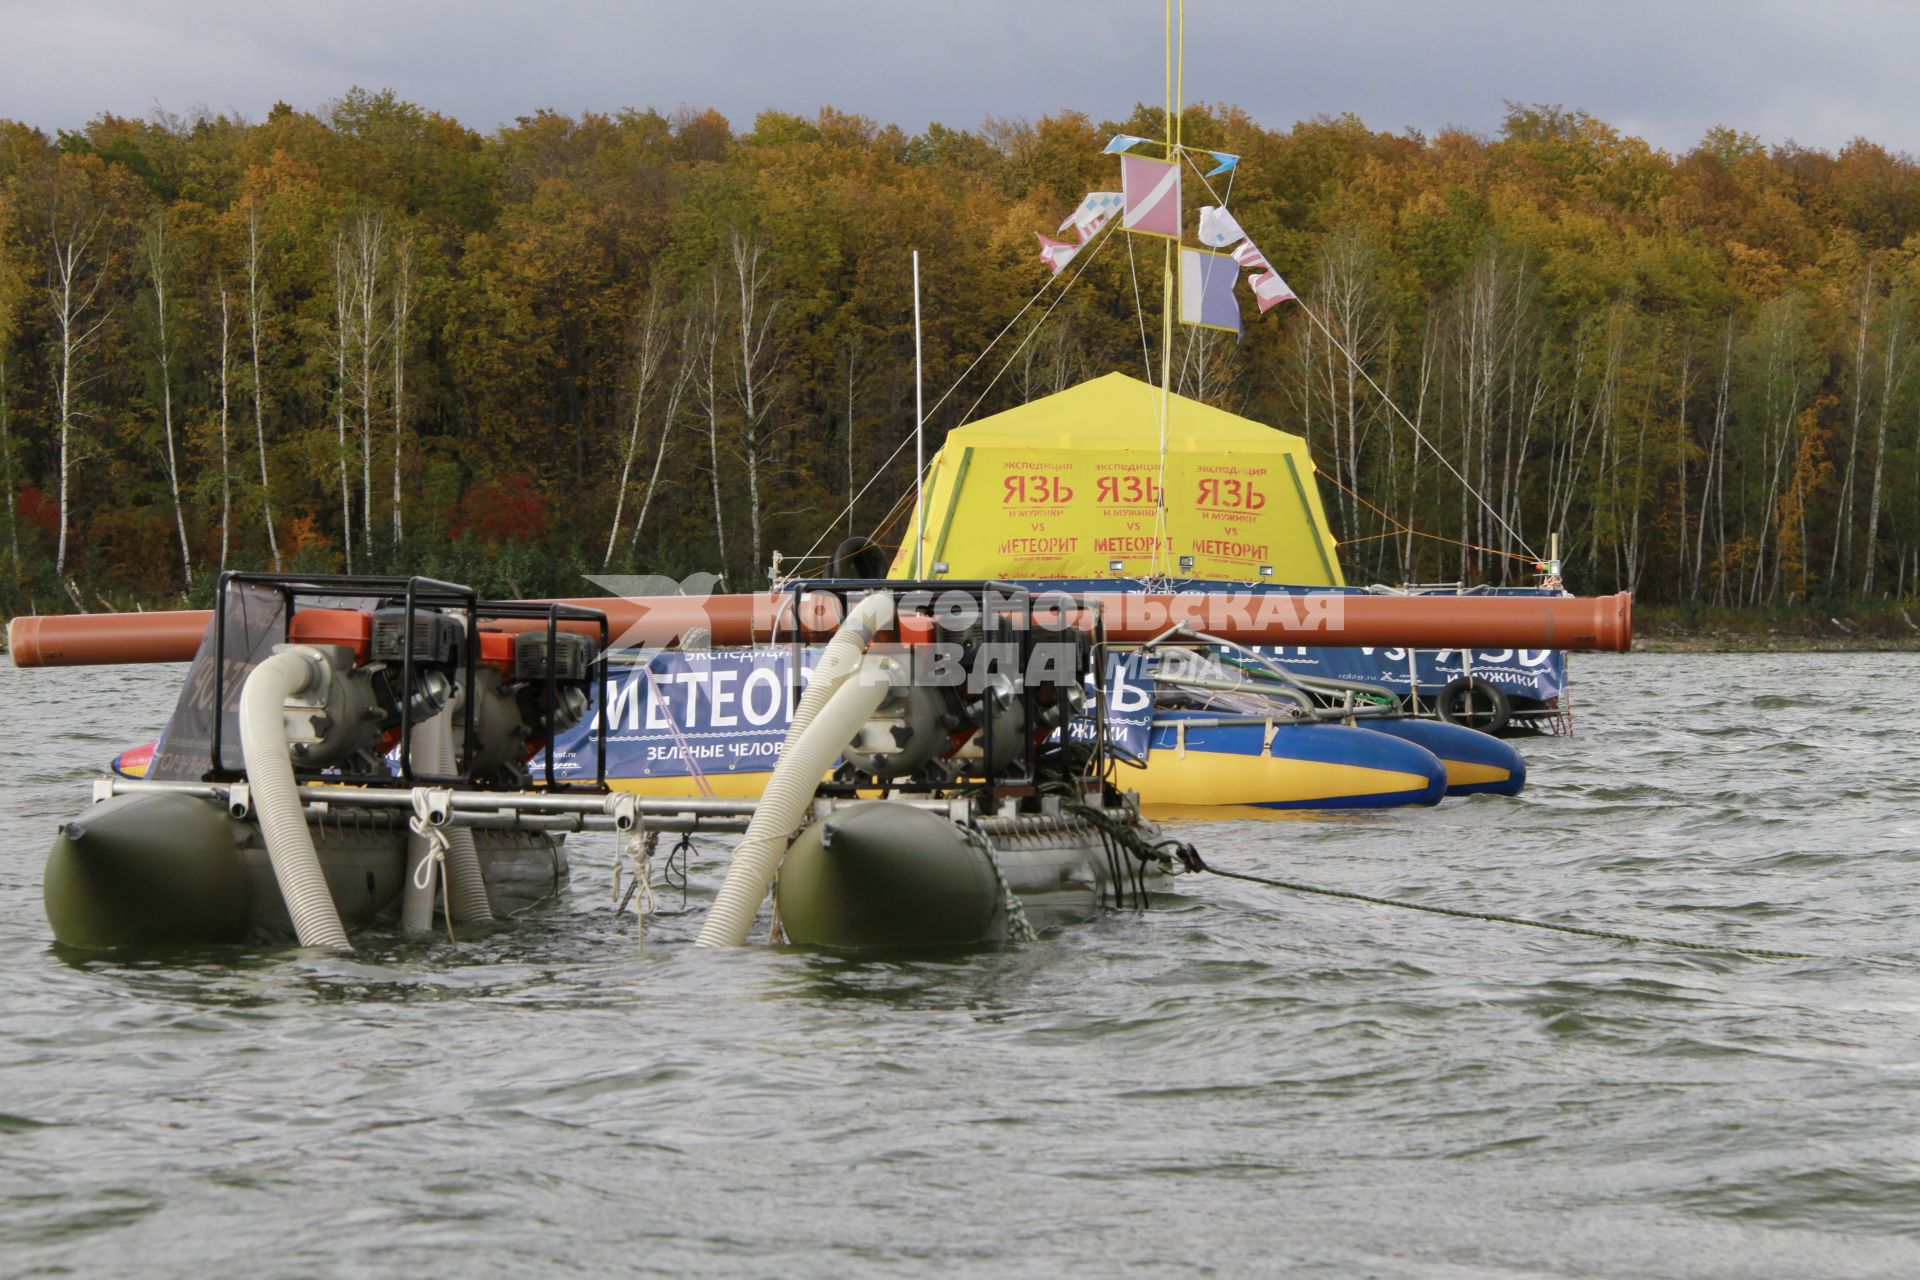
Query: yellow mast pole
x,y
1173,86
919,433
1180,83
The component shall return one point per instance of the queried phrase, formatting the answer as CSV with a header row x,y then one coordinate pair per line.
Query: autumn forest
x,y
372,338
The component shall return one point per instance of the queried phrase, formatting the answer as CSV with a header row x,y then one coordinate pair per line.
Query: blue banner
x,y
727,711
724,711
1540,674
1129,705
1526,673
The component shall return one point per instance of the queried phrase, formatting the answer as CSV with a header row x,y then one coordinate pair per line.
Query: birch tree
x,y
1780,350
650,349
6,459
1896,362
707,390
850,368
12,289
1050,360
402,308
226,452
159,256
1491,324
1353,308
369,247
79,250
754,371
669,418
1713,493
342,345
1860,390
256,310
1201,372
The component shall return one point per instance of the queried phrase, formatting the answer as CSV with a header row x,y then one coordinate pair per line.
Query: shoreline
x,y
1878,627
1722,642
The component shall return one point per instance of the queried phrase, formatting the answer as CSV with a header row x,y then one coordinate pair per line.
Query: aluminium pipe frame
x,y
443,806
513,810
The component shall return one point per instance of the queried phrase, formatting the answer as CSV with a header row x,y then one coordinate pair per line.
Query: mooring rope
x,y
637,848
1294,886
1178,855
1019,928
433,865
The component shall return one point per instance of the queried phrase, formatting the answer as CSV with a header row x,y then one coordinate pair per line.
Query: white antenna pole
x,y
919,431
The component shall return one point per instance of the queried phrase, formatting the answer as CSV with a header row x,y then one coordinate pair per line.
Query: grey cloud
x,y
1668,71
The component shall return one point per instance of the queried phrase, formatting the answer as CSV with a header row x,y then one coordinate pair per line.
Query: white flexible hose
x,y
466,887
738,894
840,659
417,890
263,746
784,803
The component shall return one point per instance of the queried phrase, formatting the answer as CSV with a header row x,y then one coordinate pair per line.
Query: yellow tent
x,y
1067,487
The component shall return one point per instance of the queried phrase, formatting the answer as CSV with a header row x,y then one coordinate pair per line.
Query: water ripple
x,y
1236,1081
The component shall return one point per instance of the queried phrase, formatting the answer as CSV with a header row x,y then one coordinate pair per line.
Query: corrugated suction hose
x,y
840,659
276,797
831,712
466,887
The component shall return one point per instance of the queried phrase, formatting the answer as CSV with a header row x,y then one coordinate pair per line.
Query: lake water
x,y
1237,1081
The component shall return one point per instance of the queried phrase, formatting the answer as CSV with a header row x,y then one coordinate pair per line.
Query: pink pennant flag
x,y
1151,191
1056,253
1269,290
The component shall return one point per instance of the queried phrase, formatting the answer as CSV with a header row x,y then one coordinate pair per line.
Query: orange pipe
x,y
1425,622
89,639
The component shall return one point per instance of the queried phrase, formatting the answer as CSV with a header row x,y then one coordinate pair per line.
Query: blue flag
x,y
1206,290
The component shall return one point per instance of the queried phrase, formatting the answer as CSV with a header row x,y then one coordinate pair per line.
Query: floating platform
x,y
175,868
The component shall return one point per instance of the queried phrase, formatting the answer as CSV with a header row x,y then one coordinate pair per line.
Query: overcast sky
x,y
1817,73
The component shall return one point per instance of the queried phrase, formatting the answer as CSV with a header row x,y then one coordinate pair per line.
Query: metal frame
x,y
415,593
494,610
1013,625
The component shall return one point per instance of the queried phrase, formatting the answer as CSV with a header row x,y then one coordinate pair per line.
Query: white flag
x,y
1217,227
1092,214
